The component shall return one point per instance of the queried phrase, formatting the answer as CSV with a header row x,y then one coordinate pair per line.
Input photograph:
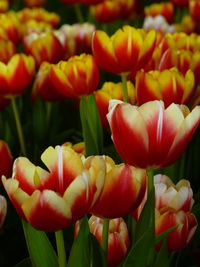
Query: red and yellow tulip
x,y
3,210
165,9
43,84
4,5
6,159
43,47
52,200
110,91
169,85
16,75
125,51
151,136
76,77
34,3
167,194
123,190
194,9
180,237
118,237
7,50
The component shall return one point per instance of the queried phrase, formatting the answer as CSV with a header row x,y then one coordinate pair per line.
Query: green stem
x,y
79,14
104,243
60,248
124,84
49,108
19,126
150,180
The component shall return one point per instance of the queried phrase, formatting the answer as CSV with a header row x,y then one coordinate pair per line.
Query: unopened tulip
x,y
40,15
179,238
3,210
110,91
123,191
118,238
76,77
6,160
43,47
167,194
52,200
194,9
7,50
43,84
151,136
164,9
16,75
34,3
125,51
169,85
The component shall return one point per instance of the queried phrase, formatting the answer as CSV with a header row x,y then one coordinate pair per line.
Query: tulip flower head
x,y
164,9
7,50
169,85
34,3
3,210
179,238
194,9
6,159
151,136
16,75
52,200
125,51
167,194
118,238
76,77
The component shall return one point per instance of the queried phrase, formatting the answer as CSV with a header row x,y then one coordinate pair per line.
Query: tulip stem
x,y
124,85
19,126
150,180
60,248
104,243
79,14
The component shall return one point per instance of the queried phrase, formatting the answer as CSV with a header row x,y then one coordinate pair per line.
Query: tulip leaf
x,y
40,249
24,263
161,236
96,253
162,258
91,125
80,251
144,239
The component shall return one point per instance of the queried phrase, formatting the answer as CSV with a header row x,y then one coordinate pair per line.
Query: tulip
x,y
110,91
43,84
164,9
78,148
151,136
33,26
16,76
167,194
40,15
196,98
123,191
3,210
76,77
194,9
7,50
6,159
187,25
127,50
169,85
34,3
118,238
105,12
52,200
43,47
12,26
159,24
4,5
179,238
180,3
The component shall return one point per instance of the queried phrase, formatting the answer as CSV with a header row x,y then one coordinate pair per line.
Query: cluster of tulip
x,y
132,199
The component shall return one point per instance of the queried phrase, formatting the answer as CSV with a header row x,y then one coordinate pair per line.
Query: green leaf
x,y
96,252
162,258
80,251
91,125
144,239
40,249
24,263
165,234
